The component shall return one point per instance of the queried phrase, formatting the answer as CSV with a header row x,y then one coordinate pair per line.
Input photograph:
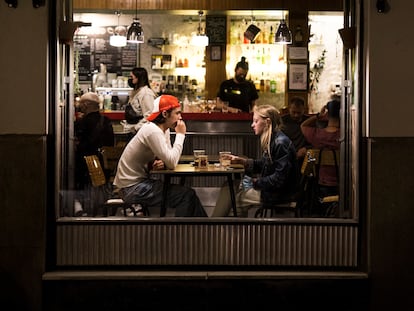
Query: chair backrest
x,y
318,156
111,155
310,173
95,170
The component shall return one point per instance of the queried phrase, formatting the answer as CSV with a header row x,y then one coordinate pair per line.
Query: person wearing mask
x,y
92,131
141,99
272,178
239,92
151,149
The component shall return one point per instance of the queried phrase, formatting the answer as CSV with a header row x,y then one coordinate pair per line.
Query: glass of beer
x,y
197,153
203,161
224,157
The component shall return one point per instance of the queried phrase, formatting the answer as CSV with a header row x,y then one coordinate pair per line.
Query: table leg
x,y
232,195
163,209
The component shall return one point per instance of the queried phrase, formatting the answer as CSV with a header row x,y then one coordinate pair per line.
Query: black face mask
x,y
130,83
240,78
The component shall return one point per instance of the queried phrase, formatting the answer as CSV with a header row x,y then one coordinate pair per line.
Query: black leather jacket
x,y
278,173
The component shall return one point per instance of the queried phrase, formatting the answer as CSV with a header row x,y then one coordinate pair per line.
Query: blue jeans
x,y
149,193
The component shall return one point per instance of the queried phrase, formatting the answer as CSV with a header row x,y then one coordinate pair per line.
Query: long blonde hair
x,y
268,111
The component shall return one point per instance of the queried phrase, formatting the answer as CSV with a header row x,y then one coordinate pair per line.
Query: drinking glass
x,y
211,104
224,157
197,153
202,161
203,105
225,107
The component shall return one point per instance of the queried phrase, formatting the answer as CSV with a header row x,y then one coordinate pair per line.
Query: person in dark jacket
x,y
272,178
239,92
291,126
92,131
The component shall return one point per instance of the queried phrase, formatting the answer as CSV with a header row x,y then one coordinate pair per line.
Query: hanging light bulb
x,y
200,39
135,32
117,39
283,34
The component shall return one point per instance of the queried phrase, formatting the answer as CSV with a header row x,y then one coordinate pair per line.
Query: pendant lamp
x,y
200,39
117,39
283,34
135,32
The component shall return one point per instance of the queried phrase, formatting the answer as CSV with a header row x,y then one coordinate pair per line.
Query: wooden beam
x,y
215,5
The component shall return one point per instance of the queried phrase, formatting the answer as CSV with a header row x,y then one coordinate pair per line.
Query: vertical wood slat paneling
x,y
207,244
239,145
329,5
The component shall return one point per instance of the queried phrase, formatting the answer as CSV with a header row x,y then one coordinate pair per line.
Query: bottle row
x,y
266,32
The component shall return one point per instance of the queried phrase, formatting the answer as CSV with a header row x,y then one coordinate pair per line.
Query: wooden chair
x,y
111,155
104,195
270,210
310,179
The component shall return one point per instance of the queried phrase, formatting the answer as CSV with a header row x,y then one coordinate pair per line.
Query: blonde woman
x,y
270,179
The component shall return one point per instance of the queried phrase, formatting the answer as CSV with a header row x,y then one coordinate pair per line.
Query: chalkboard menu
x,y
93,49
216,29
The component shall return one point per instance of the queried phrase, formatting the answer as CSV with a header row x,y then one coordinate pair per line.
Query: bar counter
x,y
119,115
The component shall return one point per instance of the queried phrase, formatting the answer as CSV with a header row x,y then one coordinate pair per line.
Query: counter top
x,y
217,116
213,116
118,115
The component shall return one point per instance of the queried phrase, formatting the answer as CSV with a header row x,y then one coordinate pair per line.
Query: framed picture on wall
x,y
298,77
215,52
298,52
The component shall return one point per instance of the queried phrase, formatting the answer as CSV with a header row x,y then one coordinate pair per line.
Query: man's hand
x,y
181,127
158,165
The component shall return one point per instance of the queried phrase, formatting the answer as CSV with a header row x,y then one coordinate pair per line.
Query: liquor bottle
x,y
272,86
265,36
258,38
107,100
271,35
263,57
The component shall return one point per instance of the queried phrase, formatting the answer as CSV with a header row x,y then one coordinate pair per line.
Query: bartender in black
x,y
240,93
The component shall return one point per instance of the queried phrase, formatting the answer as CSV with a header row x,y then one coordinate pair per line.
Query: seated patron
x,y
291,126
270,179
92,131
326,138
151,149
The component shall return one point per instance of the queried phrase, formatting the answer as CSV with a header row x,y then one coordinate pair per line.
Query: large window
x,y
105,70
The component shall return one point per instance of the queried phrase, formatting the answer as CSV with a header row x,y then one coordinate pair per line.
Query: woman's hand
x,y
236,159
324,112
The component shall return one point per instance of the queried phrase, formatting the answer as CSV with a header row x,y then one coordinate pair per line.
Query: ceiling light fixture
x,y
117,39
252,32
200,39
135,32
283,33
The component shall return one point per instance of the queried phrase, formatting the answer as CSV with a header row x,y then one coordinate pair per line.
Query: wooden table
x,y
189,158
188,170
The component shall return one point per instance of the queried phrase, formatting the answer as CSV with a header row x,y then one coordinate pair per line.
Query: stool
x,y
118,202
266,208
